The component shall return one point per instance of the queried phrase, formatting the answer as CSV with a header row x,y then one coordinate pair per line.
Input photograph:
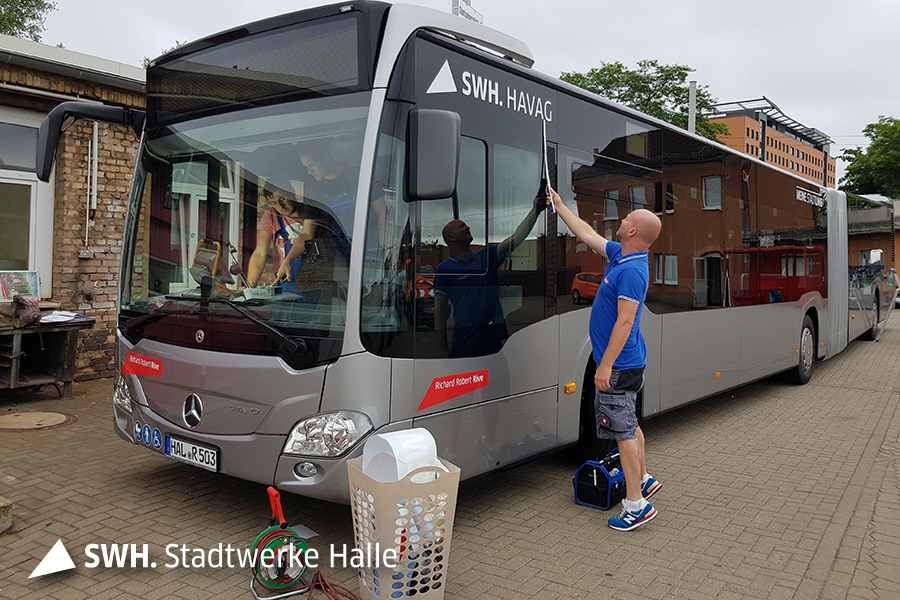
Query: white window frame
x,y
40,221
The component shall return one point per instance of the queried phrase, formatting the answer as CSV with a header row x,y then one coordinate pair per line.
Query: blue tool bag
x,y
600,483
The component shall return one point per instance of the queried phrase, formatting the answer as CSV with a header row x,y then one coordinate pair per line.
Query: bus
x,y
394,125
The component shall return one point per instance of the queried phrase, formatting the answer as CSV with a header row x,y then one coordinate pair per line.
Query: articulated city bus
x,y
430,288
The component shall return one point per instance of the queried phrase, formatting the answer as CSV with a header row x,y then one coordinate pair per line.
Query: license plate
x,y
193,454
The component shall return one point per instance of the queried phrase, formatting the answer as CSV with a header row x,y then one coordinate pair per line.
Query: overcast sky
x,y
829,64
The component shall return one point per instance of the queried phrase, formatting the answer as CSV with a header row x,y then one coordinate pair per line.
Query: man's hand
x,y
602,377
554,199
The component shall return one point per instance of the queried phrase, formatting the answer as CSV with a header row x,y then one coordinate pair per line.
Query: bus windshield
x,y
241,222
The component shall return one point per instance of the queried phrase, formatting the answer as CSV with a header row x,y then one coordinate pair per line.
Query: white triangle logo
x,y
443,83
57,560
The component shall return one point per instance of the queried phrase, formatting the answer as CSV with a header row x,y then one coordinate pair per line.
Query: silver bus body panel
x,y
652,330
495,433
528,362
838,274
360,382
234,402
574,355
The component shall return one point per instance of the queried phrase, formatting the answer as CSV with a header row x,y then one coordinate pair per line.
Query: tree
x,y
875,170
658,90
24,18
146,62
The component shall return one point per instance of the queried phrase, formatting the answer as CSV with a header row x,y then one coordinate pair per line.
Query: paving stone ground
x,y
770,491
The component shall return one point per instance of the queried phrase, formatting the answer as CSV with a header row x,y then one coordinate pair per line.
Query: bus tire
x,y
802,373
872,334
589,446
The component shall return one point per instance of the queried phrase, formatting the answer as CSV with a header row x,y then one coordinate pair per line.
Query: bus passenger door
x,y
486,365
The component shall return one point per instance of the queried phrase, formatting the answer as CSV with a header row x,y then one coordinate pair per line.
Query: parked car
x,y
421,297
584,286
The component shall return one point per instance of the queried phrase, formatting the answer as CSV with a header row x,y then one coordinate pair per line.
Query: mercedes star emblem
x,y
199,336
192,412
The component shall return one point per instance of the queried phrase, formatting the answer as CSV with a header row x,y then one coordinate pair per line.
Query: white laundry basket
x,y
413,519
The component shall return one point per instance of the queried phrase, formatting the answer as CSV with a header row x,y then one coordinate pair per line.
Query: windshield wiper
x,y
285,342
154,316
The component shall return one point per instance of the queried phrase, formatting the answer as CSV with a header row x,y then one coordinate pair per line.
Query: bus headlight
x,y
327,434
121,395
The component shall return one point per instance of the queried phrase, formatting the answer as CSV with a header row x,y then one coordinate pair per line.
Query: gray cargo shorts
x,y
615,407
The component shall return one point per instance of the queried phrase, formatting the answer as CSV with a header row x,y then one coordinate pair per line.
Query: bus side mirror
x,y
433,154
61,117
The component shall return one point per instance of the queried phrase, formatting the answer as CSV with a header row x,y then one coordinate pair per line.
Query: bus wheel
x,y
872,334
803,371
589,447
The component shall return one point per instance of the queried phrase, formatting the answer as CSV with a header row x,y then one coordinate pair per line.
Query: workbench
x,y
40,354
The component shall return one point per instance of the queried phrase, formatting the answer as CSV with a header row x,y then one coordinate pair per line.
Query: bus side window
x,y
453,254
521,276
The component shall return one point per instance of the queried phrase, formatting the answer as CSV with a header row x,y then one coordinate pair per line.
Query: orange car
x,y
584,286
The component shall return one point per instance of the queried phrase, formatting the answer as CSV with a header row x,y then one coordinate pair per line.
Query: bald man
x,y
619,349
468,282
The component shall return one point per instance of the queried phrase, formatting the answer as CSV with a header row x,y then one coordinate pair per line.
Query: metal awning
x,y
768,108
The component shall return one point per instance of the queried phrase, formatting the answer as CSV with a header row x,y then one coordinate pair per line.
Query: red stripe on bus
x,y
453,386
136,364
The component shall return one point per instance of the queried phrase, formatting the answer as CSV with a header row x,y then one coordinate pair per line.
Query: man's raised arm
x,y
580,228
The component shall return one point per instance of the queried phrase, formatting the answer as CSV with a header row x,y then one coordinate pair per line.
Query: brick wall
x,y
85,285
90,285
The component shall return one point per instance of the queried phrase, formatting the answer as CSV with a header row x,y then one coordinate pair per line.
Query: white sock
x,y
645,477
634,505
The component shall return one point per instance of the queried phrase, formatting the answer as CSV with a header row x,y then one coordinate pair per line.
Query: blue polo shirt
x,y
472,287
626,277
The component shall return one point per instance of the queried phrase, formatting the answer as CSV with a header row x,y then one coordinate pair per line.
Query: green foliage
x,y
24,18
146,62
875,170
658,90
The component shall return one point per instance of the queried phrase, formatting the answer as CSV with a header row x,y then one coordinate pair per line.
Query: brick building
x,y
761,129
52,228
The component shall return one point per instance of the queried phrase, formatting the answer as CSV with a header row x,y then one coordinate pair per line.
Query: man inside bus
x,y
619,348
333,190
334,184
467,281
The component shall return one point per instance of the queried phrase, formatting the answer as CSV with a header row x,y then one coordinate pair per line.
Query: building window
x,y
671,274
18,147
659,266
637,195
610,210
15,224
712,193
